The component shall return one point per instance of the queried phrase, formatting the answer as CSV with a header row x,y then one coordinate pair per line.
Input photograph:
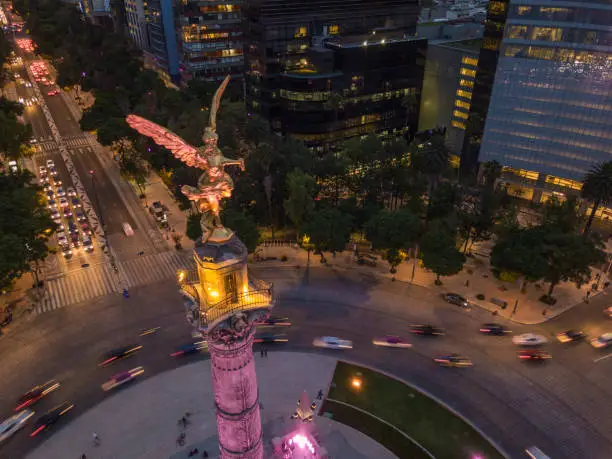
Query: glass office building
x,y
550,114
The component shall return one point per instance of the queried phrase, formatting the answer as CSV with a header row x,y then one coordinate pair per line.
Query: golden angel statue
x,y
214,184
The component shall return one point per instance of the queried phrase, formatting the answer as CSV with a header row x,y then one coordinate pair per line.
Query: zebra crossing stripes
x,y
77,287
73,142
153,268
100,280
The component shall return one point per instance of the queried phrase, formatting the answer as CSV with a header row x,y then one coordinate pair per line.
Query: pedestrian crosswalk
x,y
89,283
77,141
45,147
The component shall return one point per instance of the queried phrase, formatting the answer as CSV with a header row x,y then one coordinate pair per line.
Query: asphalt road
x,y
112,199
561,405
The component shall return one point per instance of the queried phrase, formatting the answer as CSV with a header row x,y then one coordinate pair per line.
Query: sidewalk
x,y
473,280
141,421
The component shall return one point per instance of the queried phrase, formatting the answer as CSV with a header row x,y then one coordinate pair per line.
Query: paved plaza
x,y
141,421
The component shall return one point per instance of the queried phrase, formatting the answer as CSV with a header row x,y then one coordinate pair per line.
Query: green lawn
x,y
430,424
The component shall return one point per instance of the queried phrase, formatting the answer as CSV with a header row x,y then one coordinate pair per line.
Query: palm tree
x,y
597,188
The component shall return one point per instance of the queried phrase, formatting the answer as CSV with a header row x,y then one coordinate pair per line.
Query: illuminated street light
x,y
357,381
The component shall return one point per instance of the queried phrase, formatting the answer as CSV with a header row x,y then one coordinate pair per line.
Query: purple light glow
x,y
302,442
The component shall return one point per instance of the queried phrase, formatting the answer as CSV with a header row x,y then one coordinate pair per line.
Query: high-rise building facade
x,y
210,39
162,43
550,111
327,70
478,94
136,22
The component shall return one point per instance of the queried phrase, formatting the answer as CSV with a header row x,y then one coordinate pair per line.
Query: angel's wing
x,y
162,136
216,100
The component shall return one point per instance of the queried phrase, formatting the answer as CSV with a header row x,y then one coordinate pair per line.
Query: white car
x,y
61,192
391,341
61,238
63,202
13,165
602,341
529,339
50,163
127,229
71,191
13,424
332,342
122,378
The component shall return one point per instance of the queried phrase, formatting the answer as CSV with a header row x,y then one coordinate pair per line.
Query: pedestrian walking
x,y
96,439
261,351
204,453
320,394
266,353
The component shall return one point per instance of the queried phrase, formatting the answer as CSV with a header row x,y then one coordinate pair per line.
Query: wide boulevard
x,y
561,405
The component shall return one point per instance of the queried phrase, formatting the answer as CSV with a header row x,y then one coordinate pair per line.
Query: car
x,y
85,228
127,229
75,202
274,321
533,354
270,338
391,341
60,224
28,84
13,166
453,360
602,341
61,238
50,195
331,342
158,212
71,191
35,394
80,216
456,299
67,212
118,354
608,312
66,250
61,192
46,186
72,226
44,178
74,238
21,100
56,180
53,171
426,330
53,92
190,348
529,339
494,329
50,163
55,213
570,336
122,378
13,424
51,417
87,244
51,204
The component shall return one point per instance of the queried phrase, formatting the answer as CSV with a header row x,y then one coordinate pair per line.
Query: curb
x,y
436,399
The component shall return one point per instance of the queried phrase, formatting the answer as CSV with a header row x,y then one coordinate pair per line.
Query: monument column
x,y
236,397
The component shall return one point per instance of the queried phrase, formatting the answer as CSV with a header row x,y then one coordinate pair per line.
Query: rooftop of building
x,y
373,39
471,45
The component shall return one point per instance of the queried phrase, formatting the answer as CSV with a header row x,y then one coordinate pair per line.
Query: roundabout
x,y
560,406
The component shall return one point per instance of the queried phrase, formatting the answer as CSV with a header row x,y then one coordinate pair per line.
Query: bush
x,y
283,258
550,300
480,297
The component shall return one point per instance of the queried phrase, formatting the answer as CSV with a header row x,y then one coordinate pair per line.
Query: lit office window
x,y
462,104
497,7
301,32
523,10
466,83
458,124
466,94
333,29
547,33
459,114
517,31
469,60
566,183
491,43
467,72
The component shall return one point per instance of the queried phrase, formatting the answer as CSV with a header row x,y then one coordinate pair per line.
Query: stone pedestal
x,y
236,398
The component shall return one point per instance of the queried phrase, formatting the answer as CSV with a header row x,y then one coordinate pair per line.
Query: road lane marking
x,y
602,357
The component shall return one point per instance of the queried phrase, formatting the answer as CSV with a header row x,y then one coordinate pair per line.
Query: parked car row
x,y
66,211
